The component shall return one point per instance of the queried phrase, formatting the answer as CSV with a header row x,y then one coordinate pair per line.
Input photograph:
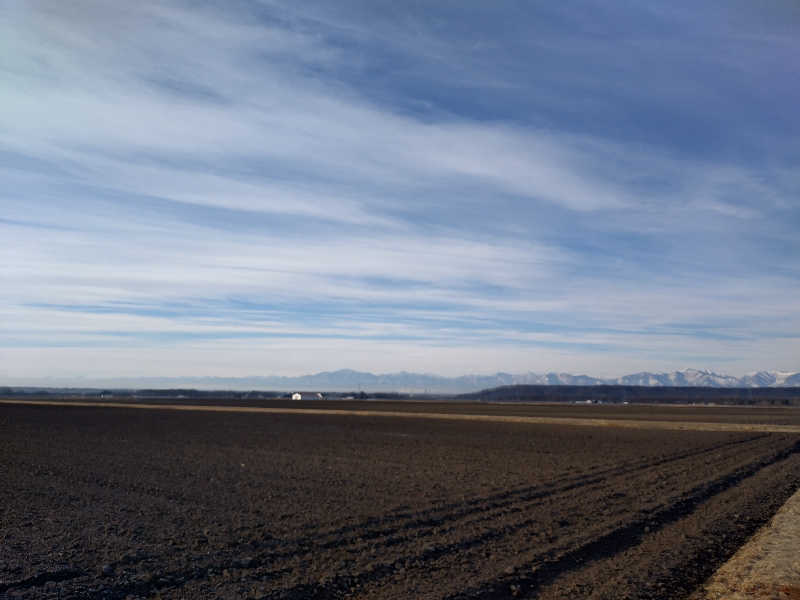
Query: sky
x,y
279,188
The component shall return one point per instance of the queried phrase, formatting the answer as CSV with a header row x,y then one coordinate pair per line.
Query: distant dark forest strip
x,y
638,394
607,394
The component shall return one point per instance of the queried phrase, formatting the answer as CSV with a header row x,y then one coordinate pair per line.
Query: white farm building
x,y
308,396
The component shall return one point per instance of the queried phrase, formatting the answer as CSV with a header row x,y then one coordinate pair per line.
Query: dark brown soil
x,y
773,415
118,503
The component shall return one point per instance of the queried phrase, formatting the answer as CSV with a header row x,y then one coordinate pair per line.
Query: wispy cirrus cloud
x,y
547,188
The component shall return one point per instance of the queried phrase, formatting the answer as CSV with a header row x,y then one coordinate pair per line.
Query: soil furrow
x,y
220,561
433,526
55,576
615,541
621,535
437,516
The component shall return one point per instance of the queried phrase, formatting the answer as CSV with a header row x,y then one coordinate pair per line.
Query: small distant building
x,y
297,396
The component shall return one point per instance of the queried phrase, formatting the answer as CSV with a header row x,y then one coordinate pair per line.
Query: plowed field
x,y
120,502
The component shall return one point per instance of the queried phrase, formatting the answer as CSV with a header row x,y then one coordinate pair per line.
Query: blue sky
x,y
245,188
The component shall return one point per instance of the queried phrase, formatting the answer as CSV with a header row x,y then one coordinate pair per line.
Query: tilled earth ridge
x,y
122,503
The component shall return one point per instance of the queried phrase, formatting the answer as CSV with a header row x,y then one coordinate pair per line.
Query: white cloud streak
x,y
122,124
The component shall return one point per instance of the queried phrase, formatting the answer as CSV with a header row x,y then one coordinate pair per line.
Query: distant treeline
x,y
92,393
179,393
512,393
639,394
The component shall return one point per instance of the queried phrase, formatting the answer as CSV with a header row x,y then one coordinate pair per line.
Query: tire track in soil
x,y
619,539
625,532
339,585
514,528
430,518
490,535
55,576
548,565
486,509
522,492
509,500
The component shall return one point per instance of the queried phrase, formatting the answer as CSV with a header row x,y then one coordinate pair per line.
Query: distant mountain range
x,y
349,380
